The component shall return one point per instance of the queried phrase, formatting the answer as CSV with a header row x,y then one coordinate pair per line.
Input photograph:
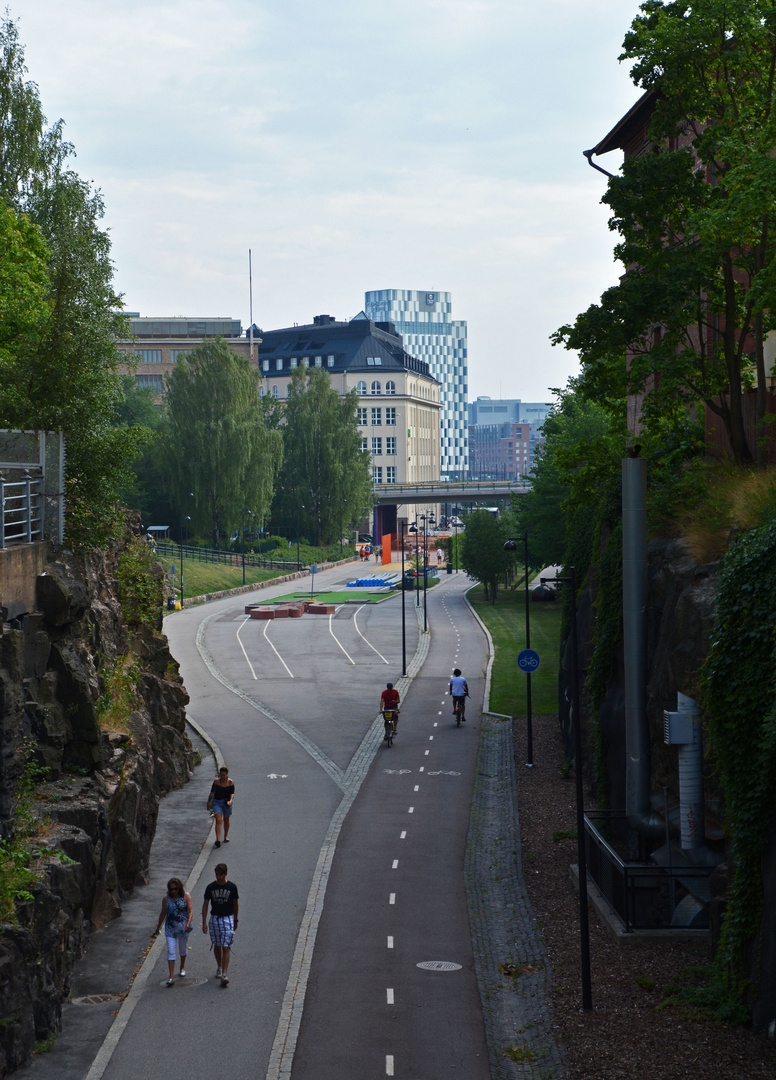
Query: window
x,y
265,365
377,445
362,416
149,356
390,417
376,388
390,474
275,391
377,474
329,361
390,445
305,361
390,387
372,360
318,361
365,446
149,382
175,353
361,387
377,417
262,391
278,364
293,361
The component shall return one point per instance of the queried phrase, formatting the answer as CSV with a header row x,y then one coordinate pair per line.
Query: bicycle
x,y
458,710
389,717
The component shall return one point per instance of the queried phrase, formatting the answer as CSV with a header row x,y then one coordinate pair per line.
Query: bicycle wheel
x,y
458,716
389,731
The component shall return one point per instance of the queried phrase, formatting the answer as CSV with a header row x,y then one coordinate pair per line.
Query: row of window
x,y
294,362
390,474
377,415
390,387
377,445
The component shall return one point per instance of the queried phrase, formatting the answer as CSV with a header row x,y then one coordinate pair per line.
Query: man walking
x,y
223,897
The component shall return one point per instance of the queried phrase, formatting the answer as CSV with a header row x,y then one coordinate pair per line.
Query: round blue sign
x,y
528,661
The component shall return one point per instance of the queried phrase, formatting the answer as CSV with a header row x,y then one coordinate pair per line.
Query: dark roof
x,y
352,344
622,133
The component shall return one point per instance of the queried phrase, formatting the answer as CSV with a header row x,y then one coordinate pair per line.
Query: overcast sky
x,y
351,145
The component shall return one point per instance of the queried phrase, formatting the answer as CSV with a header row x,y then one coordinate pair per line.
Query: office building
x,y
504,436
424,320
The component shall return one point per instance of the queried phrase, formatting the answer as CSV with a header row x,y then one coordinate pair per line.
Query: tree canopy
x,y
61,369
688,321
325,484
482,550
217,446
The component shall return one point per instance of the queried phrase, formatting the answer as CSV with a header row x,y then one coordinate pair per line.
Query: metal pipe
x,y
634,607
692,814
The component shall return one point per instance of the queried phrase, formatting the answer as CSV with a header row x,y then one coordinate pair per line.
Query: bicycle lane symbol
x,y
528,661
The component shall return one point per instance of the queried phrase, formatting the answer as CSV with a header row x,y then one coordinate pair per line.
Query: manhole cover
x,y
95,999
438,965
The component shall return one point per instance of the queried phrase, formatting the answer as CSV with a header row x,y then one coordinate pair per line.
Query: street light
x,y
403,590
414,529
510,545
185,525
584,931
250,513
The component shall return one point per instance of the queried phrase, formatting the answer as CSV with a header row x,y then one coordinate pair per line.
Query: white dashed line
x,y
403,835
389,1064
389,996
390,942
417,787
392,898
411,810
426,752
422,768
395,864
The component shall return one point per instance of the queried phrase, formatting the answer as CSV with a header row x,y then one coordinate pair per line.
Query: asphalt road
x,y
348,854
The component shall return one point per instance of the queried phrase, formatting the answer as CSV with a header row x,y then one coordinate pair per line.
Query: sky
x,y
349,145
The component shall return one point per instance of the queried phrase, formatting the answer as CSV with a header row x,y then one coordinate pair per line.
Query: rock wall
x,y
680,610
99,803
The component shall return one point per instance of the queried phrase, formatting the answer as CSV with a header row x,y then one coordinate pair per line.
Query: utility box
x,y
677,728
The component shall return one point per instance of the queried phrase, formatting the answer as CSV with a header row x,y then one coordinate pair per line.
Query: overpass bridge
x,y
437,491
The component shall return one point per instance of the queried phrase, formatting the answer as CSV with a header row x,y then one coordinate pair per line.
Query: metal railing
x,y
21,509
167,549
645,895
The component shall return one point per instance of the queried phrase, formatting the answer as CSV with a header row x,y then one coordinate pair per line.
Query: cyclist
x,y
459,688
389,699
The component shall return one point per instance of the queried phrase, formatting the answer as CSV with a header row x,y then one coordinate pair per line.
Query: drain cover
x,y
438,965
95,999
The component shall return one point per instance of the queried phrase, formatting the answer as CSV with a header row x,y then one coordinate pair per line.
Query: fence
x,y
226,558
31,487
646,896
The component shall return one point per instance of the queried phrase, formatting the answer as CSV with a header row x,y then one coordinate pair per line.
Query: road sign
x,y
172,569
528,661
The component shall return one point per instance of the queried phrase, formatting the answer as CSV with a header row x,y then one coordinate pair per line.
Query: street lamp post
x,y
414,529
185,525
403,590
250,514
510,545
584,931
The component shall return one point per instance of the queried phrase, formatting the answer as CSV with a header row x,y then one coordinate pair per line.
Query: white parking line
x,y
353,662
250,665
369,643
277,654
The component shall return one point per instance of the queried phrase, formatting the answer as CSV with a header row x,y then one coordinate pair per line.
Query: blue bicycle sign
x,y
528,661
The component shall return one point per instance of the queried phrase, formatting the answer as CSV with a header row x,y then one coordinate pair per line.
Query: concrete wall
x,y
19,568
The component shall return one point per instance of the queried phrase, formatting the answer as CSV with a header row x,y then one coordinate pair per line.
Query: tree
x,y
64,376
24,306
216,443
688,321
482,550
326,479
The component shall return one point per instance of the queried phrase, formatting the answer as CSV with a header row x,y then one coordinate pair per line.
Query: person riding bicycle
x,y
389,700
459,688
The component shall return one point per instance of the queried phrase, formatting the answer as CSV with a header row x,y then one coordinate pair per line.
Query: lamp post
x,y
510,545
584,931
185,525
250,514
403,590
455,544
414,529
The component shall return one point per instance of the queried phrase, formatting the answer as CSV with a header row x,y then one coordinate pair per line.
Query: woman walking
x,y
176,914
220,802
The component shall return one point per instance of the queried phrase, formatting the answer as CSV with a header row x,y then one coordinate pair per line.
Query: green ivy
x,y
607,635
739,698
141,588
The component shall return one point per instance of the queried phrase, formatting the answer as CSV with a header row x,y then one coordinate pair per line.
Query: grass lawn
x,y
201,577
506,622
359,596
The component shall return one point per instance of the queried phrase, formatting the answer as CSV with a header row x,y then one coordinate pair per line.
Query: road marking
x,y
431,737
389,1064
278,776
353,662
369,643
426,752
411,810
397,772
277,654
250,665
422,768
417,787
395,864
443,772
390,942
392,898
403,834
388,996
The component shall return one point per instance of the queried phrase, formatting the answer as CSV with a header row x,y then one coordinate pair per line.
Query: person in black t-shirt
x,y
224,901
220,802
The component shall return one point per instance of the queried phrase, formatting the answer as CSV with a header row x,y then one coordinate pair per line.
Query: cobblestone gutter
x,y
510,959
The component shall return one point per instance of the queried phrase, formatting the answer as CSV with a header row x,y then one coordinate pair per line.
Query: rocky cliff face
x,y
94,816
680,610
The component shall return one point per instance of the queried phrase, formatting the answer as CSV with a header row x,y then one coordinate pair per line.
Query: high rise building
x,y
429,332
504,436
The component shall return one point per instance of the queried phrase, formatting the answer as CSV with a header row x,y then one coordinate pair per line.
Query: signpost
x,y
313,572
528,661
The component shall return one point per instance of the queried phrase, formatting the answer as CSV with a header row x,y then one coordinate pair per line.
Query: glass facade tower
x,y
424,320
